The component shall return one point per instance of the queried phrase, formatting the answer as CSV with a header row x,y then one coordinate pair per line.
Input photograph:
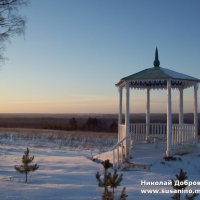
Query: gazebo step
x,y
135,166
184,149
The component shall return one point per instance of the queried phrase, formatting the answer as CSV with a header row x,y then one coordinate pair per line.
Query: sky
x,y
75,51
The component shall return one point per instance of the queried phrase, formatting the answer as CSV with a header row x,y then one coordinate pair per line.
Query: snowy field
x,y
69,174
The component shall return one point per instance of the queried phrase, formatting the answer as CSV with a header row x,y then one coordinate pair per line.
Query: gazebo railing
x,y
118,153
121,132
138,132
183,134
158,129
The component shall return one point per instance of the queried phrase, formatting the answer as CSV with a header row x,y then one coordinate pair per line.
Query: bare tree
x,y
11,22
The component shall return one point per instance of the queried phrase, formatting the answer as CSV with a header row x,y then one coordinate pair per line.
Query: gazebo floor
x,y
142,155
147,153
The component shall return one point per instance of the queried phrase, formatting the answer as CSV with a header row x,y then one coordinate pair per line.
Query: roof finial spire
x,y
156,62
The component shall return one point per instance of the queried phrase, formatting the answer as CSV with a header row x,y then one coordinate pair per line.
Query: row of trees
x,y
85,124
93,124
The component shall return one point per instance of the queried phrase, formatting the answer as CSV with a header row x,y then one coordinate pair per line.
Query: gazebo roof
x,y
156,77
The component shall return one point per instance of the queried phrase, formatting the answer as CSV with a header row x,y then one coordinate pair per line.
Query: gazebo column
x,y
181,106
147,113
120,133
169,119
127,123
196,111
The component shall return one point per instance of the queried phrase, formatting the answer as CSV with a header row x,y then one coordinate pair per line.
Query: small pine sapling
x,y
105,182
191,197
110,180
181,177
115,180
26,166
123,194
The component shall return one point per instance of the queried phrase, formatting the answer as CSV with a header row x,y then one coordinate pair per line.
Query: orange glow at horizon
x,y
96,104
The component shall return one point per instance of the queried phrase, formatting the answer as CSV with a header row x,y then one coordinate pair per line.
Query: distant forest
x,y
97,123
83,122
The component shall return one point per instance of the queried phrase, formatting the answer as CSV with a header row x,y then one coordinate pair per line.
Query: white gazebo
x,y
176,136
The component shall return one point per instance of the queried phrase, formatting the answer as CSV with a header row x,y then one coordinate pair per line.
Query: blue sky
x,y
74,51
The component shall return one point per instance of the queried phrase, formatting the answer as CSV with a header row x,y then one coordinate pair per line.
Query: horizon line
x,y
26,113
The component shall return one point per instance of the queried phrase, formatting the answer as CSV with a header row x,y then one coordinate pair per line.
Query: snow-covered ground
x,y
61,175
76,140
70,175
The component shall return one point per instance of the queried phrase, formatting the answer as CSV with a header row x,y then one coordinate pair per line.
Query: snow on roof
x,y
151,76
158,73
177,75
